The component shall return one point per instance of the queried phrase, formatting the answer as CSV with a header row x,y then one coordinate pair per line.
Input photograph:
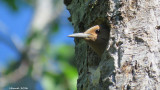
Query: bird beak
x,y
79,35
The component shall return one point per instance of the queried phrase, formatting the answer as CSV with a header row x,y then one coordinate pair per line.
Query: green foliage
x,y
12,4
12,66
54,27
65,52
66,76
50,65
32,36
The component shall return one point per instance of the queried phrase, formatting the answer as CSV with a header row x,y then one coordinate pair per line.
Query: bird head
x,y
96,36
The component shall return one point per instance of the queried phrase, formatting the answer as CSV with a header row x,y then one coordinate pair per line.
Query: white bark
x,y
137,60
132,59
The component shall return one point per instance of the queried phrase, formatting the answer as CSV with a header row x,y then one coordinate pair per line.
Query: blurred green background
x,y
35,52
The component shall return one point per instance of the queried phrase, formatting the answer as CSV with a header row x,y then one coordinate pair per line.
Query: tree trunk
x,y
132,57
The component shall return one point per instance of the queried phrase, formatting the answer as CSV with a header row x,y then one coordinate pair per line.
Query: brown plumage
x,y
97,37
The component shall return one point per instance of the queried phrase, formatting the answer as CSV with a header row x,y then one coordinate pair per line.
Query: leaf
x,y
12,4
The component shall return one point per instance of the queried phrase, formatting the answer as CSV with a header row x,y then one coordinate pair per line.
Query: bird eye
x,y
97,31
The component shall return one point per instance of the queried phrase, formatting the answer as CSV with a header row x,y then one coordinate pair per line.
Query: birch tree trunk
x,y
131,60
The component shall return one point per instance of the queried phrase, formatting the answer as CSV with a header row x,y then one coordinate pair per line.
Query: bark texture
x,y
132,57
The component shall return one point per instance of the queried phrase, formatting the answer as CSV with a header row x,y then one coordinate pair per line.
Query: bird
x,y
97,37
